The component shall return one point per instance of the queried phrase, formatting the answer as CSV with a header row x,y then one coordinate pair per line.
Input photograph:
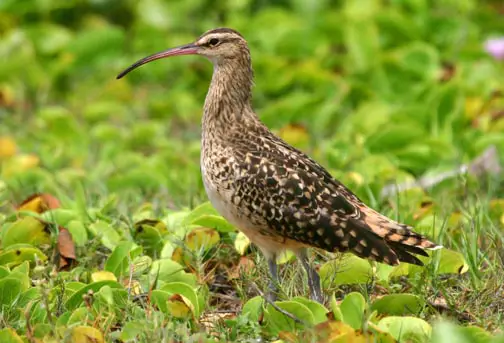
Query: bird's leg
x,y
273,282
313,277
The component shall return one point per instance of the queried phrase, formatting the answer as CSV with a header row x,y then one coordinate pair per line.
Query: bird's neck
x,y
228,101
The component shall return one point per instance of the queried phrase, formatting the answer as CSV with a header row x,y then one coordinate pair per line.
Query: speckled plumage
x,y
278,196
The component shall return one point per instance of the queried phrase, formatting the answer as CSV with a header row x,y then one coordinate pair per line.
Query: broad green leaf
x,y
9,335
277,321
205,215
253,308
160,298
349,269
170,271
214,222
119,261
18,253
132,330
27,230
10,290
353,308
59,216
406,328
451,262
398,304
319,311
108,235
76,299
78,231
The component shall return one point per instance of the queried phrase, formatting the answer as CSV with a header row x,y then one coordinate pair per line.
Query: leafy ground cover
x,y
106,234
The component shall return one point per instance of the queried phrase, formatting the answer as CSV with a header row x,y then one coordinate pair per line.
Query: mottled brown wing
x,y
299,200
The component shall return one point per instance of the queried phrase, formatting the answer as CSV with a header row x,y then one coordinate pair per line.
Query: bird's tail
x,y
400,239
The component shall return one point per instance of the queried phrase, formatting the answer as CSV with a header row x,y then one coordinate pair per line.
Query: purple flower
x,y
495,47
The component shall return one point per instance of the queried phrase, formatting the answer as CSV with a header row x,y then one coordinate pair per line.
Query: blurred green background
x,y
378,91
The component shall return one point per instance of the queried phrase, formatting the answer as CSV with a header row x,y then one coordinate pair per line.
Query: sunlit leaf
x,y
27,230
202,239
241,243
8,335
406,328
278,321
353,308
86,334
39,203
398,304
103,275
18,253
349,269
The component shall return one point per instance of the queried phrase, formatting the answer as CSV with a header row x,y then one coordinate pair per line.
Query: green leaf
x,y
10,290
132,330
349,269
278,321
9,335
406,328
78,231
27,230
160,298
76,299
108,235
319,311
59,216
451,262
119,261
18,253
205,215
398,304
253,308
353,307
170,271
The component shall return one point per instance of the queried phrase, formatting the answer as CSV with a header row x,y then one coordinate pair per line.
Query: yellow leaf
x,y
103,275
284,256
241,243
134,286
39,203
8,147
86,334
179,306
202,238
180,257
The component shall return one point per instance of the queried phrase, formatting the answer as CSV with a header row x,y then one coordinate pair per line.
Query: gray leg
x,y
273,283
313,277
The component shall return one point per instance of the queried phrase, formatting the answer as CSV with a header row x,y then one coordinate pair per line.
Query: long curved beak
x,y
188,49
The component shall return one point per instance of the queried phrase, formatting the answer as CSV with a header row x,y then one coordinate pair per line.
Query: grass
x,y
379,92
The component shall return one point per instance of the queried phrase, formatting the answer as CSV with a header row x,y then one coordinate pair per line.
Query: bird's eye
x,y
213,42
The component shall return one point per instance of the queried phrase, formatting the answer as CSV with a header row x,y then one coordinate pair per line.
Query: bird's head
x,y
217,45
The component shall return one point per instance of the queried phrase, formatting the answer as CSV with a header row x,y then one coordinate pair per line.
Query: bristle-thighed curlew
x,y
275,194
